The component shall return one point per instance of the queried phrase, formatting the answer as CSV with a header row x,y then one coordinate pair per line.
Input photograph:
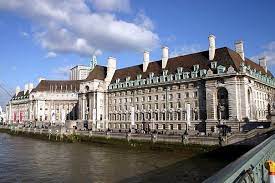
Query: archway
x,y
223,110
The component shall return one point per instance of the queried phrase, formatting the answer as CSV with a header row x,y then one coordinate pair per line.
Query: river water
x,y
29,160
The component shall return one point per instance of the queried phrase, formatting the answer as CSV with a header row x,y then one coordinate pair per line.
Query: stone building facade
x,y
51,101
18,109
198,92
54,101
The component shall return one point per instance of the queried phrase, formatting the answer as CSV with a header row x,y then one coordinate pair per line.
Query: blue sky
x,y
44,38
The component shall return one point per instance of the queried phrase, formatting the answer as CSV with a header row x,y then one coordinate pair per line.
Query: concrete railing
x,y
249,167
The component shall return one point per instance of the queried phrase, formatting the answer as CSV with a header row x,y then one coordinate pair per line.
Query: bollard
x,y
270,166
50,132
56,135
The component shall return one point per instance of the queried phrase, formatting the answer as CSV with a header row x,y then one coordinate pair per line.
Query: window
x,y
163,106
143,99
142,106
149,106
171,105
195,94
170,96
156,106
157,126
171,127
163,116
186,95
163,97
179,126
163,126
178,105
178,95
149,98
137,107
156,97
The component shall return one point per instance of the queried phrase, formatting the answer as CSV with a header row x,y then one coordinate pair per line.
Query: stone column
x,y
211,104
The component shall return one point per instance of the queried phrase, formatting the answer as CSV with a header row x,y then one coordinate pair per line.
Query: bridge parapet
x,y
248,168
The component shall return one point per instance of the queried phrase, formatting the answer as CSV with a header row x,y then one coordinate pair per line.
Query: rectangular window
x,y
156,97
136,99
170,96
178,95
157,126
186,95
163,126
163,106
179,126
163,97
171,105
171,127
156,106
195,94
149,98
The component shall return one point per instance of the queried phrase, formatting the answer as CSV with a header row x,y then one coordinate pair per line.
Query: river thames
x,y
29,160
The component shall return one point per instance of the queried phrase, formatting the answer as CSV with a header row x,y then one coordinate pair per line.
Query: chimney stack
x,y
146,59
262,62
17,90
165,56
239,49
40,79
212,46
111,68
30,87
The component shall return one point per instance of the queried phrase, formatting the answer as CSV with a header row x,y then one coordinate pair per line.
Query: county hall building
x,y
197,91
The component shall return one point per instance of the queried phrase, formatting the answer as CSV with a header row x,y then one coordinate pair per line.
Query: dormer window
x,y
194,74
214,65
221,69
139,76
203,72
151,75
179,69
165,72
196,67
117,80
185,75
128,78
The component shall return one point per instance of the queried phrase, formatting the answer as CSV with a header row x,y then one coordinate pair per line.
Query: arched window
x,y
223,110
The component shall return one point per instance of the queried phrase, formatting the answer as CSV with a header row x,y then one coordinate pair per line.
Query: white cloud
x,y
186,49
112,5
51,55
71,27
144,21
268,52
24,34
62,72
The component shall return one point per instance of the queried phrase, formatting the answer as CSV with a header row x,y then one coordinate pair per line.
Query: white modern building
x,y
81,72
